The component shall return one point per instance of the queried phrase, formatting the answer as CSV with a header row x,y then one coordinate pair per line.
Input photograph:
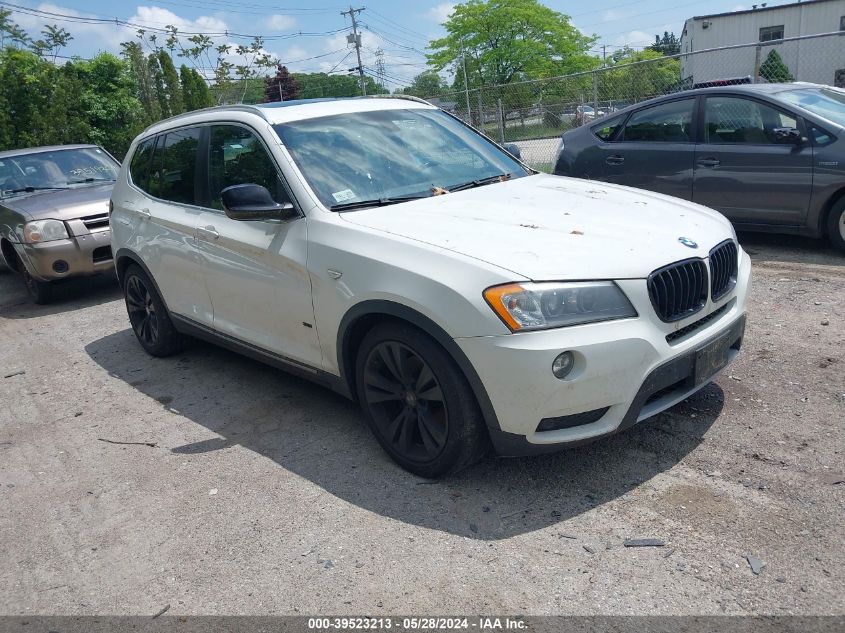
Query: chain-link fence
x,y
533,114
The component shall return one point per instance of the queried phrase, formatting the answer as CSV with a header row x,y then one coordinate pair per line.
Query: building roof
x,y
760,9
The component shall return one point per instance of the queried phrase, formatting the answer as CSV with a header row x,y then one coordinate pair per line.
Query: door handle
x,y
208,231
709,162
145,212
616,159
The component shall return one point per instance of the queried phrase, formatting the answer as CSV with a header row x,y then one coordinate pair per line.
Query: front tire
x,y
836,224
148,315
418,403
41,292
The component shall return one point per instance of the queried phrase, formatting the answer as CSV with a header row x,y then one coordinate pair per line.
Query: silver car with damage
x,y
54,214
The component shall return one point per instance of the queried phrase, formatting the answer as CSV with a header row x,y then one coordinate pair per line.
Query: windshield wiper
x,y
31,189
375,202
85,180
480,182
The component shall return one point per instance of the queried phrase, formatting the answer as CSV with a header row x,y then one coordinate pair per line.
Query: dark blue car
x,y
770,157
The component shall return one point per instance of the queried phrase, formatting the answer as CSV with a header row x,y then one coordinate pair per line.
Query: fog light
x,y
60,266
562,365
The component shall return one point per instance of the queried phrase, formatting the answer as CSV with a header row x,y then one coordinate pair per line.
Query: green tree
x,y
502,41
141,74
320,85
636,75
55,39
669,44
11,34
774,69
170,83
281,87
428,83
109,102
195,92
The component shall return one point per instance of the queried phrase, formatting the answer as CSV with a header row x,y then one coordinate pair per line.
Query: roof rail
x,y
234,106
399,96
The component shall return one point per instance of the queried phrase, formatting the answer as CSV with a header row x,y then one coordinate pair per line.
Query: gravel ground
x,y
260,493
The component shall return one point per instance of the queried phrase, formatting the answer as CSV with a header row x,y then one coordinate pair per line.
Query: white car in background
x,y
382,247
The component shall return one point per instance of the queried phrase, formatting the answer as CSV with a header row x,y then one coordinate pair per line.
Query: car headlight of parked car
x,y
539,306
44,231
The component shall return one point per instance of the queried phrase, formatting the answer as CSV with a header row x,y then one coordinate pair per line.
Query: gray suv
x,y
770,157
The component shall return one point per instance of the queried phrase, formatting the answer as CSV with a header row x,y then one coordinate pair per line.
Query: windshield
x,y
55,169
386,156
823,102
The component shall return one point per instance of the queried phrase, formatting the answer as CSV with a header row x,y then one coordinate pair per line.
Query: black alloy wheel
x,y
148,315
142,311
406,401
418,402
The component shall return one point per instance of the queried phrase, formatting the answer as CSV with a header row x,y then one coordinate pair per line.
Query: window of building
x,y
842,23
769,33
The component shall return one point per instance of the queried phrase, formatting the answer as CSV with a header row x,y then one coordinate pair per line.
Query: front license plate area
x,y
713,357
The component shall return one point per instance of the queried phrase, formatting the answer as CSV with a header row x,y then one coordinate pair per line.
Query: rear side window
x,y
139,167
665,123
174,166
607,129
238,157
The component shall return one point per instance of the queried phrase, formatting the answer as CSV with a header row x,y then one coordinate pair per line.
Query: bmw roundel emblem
x,y
687,242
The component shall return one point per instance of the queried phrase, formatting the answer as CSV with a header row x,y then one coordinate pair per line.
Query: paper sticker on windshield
x,y
343,196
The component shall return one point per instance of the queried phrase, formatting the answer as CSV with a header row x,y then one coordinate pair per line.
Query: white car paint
x,y
286,287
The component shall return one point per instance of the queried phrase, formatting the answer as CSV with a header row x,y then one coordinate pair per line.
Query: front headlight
x,y
44,231
538,306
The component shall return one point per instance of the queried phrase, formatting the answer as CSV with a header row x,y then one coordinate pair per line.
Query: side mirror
x,y
513,150
253,202
787,135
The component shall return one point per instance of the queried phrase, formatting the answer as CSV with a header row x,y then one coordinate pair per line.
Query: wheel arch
x,y
9,254
124,258
362,317
827,209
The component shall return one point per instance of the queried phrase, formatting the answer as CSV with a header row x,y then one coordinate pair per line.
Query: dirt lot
x,y
262,493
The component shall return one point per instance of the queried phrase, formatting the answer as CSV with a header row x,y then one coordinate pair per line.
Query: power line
x,y
98,20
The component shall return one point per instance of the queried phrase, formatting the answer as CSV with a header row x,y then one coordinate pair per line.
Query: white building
x,y
816,59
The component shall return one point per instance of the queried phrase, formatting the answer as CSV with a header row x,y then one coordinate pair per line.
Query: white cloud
x,y
635,39
441,12
279,22
107,36
158,17
610,15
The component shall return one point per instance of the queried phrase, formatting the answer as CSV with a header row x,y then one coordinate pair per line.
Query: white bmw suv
x,y
384,248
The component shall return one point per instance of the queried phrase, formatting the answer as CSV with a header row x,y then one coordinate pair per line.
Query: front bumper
x,y
77,256
625,371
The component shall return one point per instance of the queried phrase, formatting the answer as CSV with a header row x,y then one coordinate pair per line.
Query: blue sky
x,y
401,29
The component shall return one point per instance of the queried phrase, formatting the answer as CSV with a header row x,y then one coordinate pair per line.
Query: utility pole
x,y
355,38
604,54
466,84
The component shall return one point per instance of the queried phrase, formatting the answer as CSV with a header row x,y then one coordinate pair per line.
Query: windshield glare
x,y
386,154
55,169
823,102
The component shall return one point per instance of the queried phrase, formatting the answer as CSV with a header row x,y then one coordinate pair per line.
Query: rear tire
x,y
836,225
148,315
417,402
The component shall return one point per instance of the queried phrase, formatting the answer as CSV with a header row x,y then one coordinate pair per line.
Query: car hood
x,y
555,228
62,204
